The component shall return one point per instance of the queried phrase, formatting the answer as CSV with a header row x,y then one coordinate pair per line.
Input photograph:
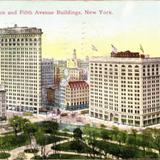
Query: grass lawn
x,y
61,156
7,133
48,139
68,147
124,152
4,155
10,142
63,133
66,156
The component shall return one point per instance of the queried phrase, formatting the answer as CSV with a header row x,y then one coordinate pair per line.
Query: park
x,y
48,140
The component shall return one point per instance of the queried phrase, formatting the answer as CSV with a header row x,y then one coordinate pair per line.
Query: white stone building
x,y
125,89
20,62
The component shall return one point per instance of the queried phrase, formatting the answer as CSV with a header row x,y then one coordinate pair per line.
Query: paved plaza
x,y
74,118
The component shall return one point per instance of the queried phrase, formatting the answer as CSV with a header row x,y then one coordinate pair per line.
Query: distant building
x,y
74,95
77,69
20,63
47,78
84,63
75,74
59,65
125,88
2,103
51,95
73,62
72,73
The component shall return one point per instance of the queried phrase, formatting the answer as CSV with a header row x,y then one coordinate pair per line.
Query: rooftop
x,y
78,84
126,57
127,54
20,30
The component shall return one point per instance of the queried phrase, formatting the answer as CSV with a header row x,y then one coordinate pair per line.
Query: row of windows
x,y
130,111
153,85
97,102
17,49
19,39
123,116
149,94
124,66
150,110
113,77
19,44
22,103
111,65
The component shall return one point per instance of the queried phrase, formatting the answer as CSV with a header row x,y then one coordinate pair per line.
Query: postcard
x,y
79,79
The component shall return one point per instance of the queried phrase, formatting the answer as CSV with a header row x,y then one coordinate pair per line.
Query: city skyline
x,y
129,25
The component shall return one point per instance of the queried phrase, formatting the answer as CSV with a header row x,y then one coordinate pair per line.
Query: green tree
x,y
30,130
145,140
17,123
132,139
41,140
104,134
156,139
77,134
91,140
115,132
77,143
121,137
51,127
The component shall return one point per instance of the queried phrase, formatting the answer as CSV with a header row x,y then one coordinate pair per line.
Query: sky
x,y
130,24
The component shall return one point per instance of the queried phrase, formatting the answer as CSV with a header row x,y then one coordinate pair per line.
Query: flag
x,y
141,48
114,49
94,48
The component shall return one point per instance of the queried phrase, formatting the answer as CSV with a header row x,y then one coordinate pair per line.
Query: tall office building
x,y
125,88
20,62
2,103
47,78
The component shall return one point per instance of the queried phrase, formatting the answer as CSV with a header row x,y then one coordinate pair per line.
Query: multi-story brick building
x,y
74,95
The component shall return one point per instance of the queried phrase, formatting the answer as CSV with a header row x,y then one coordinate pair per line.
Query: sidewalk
x,y
18,150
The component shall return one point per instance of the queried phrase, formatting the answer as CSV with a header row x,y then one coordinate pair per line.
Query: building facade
x,y
59,66
77,68
74,95
2,103
20,62
125,89
73,62
51,95
76,74
47,78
